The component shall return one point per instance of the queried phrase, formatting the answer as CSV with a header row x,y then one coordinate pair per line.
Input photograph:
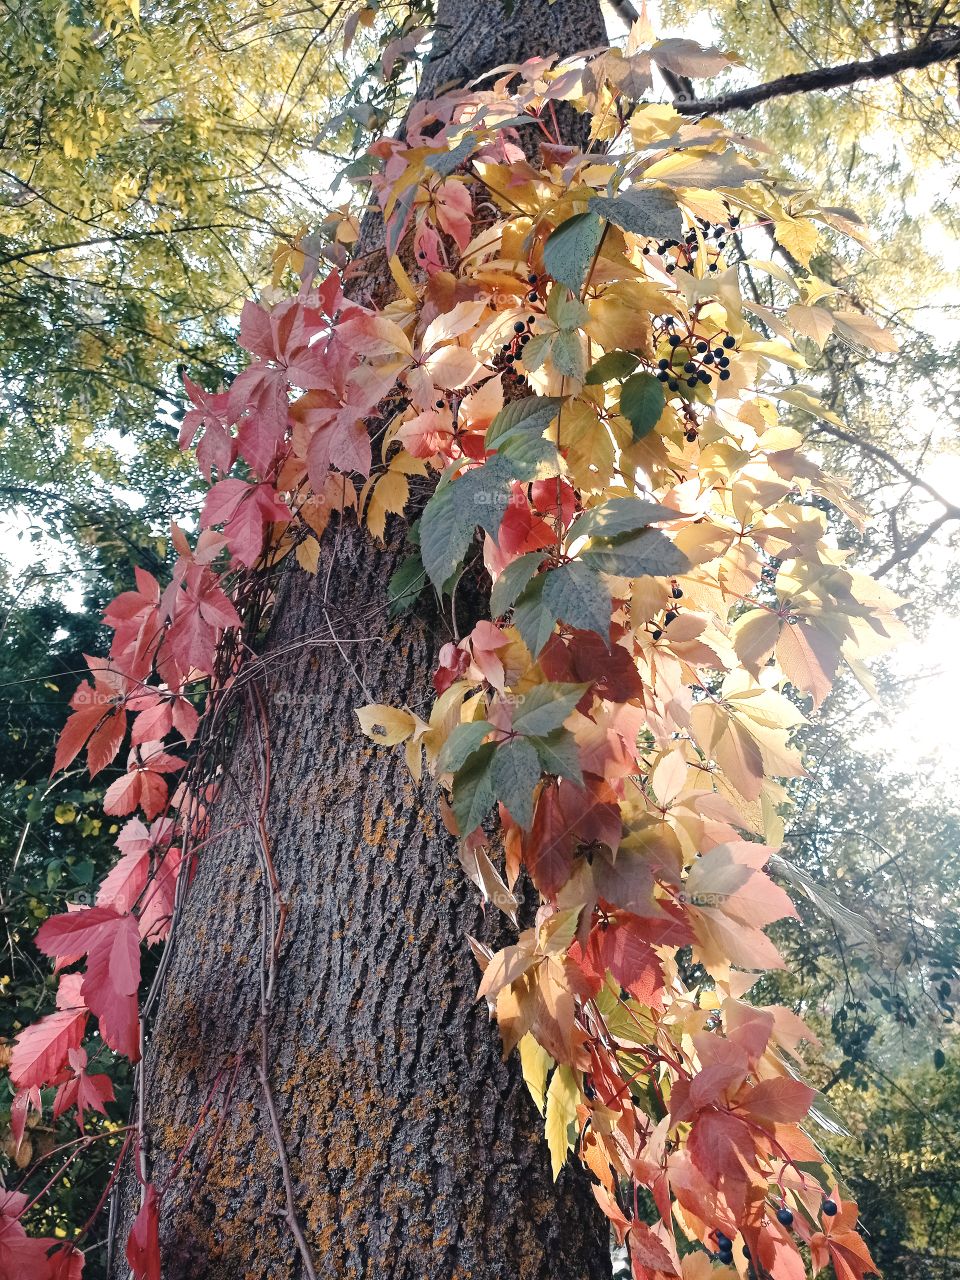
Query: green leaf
x,y
568,251
559,755
405,586
531,618
575,594
613,365
620,515
447,161
514,774
566,310
638,554
567,354
512,581
643,210
463,741
479,497
536,351
473,794
641,403
530,416
546,707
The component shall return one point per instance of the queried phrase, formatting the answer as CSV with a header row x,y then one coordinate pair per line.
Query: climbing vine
x,y
575,407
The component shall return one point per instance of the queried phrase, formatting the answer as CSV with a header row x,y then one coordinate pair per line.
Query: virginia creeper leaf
x,y
569,249
641,403
636,555
546,707
514,775
575,594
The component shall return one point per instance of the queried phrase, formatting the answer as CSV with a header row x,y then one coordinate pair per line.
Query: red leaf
x,y
112,945
20,1257
781,1101
40,1051
66,1264
143,1243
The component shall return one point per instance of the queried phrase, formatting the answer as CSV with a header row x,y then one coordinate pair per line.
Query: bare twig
x,y
822,78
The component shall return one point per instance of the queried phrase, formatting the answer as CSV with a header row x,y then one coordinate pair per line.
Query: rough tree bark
x,y
414,1151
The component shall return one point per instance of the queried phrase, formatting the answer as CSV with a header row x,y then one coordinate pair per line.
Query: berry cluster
x,y
512,351
696,244
677,592
692,359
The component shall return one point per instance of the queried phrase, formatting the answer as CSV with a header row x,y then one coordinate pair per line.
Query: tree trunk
x,y
414,1152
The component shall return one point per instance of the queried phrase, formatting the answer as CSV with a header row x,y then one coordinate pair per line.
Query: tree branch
x,y
888,64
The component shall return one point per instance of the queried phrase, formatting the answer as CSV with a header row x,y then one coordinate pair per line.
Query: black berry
x,y
657,633
689,367
691,437
829,1208
784,1216
673,384
677,593
674,340
440,404
531,297
663,376
669,617
702,346
692,382
663,364
729,342
519,327
724,374
531,278
703,375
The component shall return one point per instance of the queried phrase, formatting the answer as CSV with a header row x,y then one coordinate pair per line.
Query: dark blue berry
x,y
829,1207
674,340
723,1241
724,374
669,617
677,593
663,364
729,341
689,367
657,633
519,327
702,346
784,1216
691,437
703,375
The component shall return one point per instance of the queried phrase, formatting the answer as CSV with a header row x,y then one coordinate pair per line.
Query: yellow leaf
x,y
390,493
535,1062
562,1099
798,236
64,814
386,725
308,554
